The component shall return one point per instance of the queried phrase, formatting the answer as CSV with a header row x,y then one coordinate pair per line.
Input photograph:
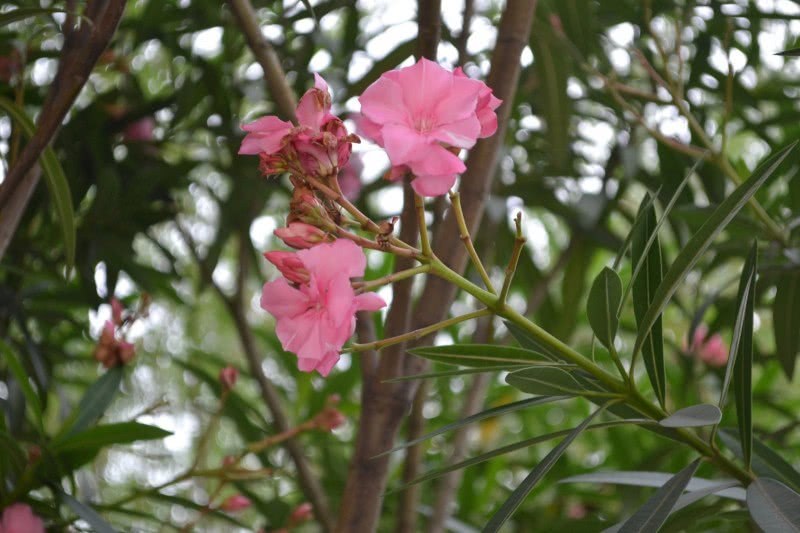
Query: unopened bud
x,y
234,503
301,235
228,376
302,513
289,265
116,311
329,419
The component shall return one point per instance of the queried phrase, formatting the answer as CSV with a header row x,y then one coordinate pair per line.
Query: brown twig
x,y
82,49
274,76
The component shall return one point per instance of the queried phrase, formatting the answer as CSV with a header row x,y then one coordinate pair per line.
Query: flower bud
x,y
329,419
235,503
301,235
116,311
228,376
19,518
289,265
302,513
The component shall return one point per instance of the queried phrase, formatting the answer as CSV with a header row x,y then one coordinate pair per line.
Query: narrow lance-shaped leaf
x,y
743,366
766,462
602,308
637,478
31,398
655,511
476,355
694,416
544,381
524,488
643,288
94,403
786,320
701,240
98,523
56,180
773,506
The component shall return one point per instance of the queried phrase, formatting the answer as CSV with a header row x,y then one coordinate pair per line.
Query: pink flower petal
x,y
424,84
265,135
460,102
433,185
436,161
282,300
462,133
369,301
380,102
325,261
403,144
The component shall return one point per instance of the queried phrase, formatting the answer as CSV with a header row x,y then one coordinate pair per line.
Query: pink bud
x,y
329,419
228,376
139,131
235,503
228,461
301,235
19,518
116,311
290,266
714,352
302,513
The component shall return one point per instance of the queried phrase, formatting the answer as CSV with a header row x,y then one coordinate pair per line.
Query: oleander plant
x,y
366,266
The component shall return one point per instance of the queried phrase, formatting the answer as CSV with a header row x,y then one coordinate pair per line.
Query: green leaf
x,y
786,320
605,297
55,178
643,290
743,365
700,241
692,496
479,355
524,488
21,376
766,462
27,12
477,417
94,402
773,506
545,381
654,479
100,436
528,342
98,523
527,443
655,511
695,416
789,52
460,372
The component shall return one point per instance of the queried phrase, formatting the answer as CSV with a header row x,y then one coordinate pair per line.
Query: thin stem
x,y
463,231
372,245
364,286
418,333
519,243
618,362
424,240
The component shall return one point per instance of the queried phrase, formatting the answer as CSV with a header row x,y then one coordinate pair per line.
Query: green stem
x,y
424,240
463,231
364,286
519,242
417,333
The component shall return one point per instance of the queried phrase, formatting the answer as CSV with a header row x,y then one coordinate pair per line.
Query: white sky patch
x,y
207,43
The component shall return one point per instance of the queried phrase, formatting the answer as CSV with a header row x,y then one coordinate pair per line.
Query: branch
x,y
82,48
274,75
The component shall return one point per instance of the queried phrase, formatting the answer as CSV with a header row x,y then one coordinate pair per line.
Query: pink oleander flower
x,y
319,146
228,377
19,518
315,318
422,115
711,350
301,235
116,311
235,503
350,178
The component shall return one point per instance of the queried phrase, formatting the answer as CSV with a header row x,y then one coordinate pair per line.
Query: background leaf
x,y
602,308
773,506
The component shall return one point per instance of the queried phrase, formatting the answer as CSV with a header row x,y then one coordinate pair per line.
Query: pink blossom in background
x,y
319,146
315,318
711,350
19,518
235,503
140,131
350,178
422,115
111,351
301,235
302,513
228,377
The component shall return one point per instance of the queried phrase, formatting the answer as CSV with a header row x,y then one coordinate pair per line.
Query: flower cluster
x,y
112,349
319,146
314,304
422,116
